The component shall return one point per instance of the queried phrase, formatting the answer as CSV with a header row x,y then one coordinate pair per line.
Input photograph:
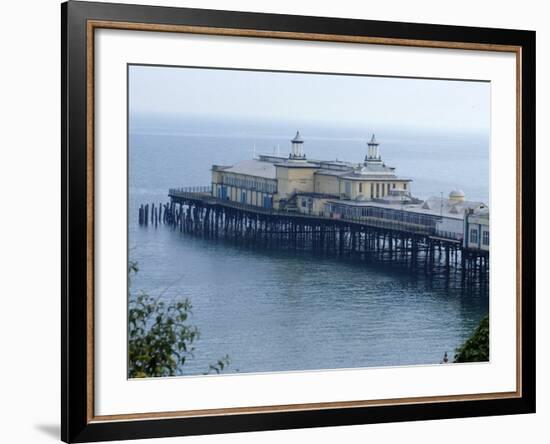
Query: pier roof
x,y
432,206
354,175
379,177
254,167
449,208
374,168
265,166
341,165
327,172
297,163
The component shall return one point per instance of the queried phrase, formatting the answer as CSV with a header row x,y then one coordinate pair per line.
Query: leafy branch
x,y
160,339
476,348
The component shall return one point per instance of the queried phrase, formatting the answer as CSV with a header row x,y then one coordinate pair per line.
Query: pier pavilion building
x,y
359,191
296,183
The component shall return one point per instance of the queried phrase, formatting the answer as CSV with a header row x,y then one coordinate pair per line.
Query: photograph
x,y
285,221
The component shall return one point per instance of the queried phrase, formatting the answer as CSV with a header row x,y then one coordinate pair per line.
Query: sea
x,y
277,311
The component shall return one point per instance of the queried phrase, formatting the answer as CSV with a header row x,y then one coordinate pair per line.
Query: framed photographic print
x,y
275,221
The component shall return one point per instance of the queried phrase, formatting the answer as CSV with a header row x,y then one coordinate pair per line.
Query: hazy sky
x,y
300,98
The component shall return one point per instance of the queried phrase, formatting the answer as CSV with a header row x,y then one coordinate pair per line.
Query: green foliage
x,y
219,365
476,348
132,268
159,337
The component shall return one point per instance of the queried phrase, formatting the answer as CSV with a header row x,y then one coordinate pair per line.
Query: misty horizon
x,y
282,100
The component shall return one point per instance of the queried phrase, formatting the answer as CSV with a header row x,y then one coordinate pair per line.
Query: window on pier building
x,y
360,187
405,186
377,190
473,236
485,238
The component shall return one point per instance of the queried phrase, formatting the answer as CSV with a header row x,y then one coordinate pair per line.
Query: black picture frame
x,y
76,423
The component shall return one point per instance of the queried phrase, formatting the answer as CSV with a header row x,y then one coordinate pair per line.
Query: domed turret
x,y
457,196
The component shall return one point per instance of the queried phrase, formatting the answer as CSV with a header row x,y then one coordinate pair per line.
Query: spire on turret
x,y
373,153
297,152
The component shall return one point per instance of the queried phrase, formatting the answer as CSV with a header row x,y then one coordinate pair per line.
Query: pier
x,y
195,211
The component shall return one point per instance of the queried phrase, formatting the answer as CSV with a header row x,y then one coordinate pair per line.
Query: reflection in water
x,y
276,310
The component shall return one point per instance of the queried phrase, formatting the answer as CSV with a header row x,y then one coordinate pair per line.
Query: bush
x,y
476,348
159,338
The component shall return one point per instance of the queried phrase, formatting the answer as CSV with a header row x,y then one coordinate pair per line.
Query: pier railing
x,y
197,189
206,196
203,195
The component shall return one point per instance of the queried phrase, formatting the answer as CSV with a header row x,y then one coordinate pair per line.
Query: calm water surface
x,y
281,311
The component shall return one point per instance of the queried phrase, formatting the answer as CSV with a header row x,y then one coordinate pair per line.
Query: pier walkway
x,y
205,199
199,213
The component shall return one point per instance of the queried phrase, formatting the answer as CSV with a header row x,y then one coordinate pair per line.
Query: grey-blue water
x,y
283,311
